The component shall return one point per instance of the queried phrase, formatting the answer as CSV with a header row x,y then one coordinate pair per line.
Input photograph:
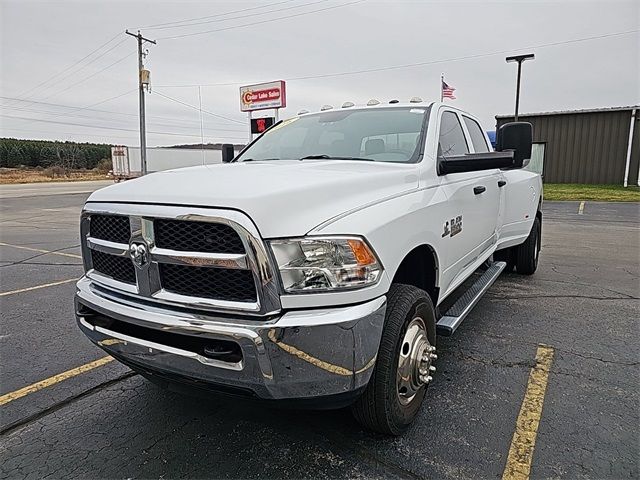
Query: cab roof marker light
x,y
326,107
394,101
373,102
348,104
415,100
302,112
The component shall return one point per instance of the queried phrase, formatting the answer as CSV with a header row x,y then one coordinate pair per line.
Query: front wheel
x,y
404,365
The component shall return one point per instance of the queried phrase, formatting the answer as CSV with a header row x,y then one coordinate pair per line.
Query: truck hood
x,y
283,198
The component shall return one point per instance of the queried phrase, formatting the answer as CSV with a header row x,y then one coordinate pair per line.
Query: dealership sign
x,y
263,96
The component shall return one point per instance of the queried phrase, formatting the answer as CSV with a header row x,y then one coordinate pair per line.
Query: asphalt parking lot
x,y
101,421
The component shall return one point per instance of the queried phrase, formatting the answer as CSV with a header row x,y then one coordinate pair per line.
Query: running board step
x,y
451,320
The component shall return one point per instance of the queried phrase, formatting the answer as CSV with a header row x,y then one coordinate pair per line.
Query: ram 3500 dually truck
x,y
310,268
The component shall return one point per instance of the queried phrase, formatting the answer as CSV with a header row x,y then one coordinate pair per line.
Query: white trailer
x,y
127,161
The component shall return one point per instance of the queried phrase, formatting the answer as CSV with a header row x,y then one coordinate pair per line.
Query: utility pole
x,y
519,59
143,128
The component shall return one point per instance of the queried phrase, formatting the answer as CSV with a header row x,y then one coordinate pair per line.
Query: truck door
x,y
481,144
473,200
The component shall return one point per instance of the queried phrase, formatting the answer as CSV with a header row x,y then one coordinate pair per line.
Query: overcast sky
x,y
465,40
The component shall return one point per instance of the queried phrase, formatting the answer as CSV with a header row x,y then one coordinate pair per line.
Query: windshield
x,y
381,134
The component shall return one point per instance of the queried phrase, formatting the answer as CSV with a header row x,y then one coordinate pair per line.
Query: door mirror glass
x,y
516,136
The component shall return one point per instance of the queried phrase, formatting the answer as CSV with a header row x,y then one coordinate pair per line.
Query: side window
x,y
451,141
477,137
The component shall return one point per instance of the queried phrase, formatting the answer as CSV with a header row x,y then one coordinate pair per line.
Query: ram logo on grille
x,y
139,254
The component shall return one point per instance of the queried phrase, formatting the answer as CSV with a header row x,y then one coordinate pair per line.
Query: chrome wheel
x,y
415,361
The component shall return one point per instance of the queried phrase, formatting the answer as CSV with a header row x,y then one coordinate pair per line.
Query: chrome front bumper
x,y
302,354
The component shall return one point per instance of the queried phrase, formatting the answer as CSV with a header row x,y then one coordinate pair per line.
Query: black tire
x,y
507,255
527,253
379,408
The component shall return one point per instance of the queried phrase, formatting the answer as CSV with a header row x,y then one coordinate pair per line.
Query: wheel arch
x,y
420,268
539,217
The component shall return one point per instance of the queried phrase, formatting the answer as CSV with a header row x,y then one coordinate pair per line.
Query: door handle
x,y
501,183
479,189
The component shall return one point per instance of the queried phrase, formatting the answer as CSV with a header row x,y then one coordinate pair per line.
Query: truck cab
x,y
309,268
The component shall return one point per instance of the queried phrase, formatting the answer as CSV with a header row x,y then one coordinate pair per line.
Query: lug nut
x,y
428,379
433,356
432,349
432,369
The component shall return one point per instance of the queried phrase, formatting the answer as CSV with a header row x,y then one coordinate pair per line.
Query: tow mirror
x,y
473,162
516,136
228,152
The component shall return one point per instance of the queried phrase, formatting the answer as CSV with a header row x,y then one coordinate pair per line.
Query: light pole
x,y
519,59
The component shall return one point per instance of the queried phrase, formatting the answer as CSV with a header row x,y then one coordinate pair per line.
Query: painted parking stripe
x,y
40,250
524,438
581,208
38,287
48,382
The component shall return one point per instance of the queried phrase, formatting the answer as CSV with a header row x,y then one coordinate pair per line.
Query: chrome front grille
x,y
115,228
118,268
200,258
196,236
228,284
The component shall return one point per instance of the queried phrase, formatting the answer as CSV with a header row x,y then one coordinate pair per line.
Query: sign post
x,y
262,96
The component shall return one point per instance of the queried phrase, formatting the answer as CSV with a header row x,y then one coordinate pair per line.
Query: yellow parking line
x,y
40,250
38,287
47,382
524,438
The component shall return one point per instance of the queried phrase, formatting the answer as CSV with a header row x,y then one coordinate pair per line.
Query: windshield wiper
x,y
330,157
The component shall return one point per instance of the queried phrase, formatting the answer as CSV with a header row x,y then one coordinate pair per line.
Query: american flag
x,y
447,91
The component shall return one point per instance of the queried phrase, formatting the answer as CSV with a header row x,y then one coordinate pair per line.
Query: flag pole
x,y
441,84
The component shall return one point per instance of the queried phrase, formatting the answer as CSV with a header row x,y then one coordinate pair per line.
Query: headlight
x,y
324,264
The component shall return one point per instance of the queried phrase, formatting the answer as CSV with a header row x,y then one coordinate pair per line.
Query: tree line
x,y
16,152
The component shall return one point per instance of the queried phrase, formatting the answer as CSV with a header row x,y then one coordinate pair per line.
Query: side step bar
x,y
451,320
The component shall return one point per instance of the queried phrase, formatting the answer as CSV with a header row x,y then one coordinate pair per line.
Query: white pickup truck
x,y
314,266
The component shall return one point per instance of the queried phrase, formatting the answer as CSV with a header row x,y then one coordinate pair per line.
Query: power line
x,y
75,72
242,16
128,137
417,64
69,67
90,76
196,108
111,112
47,132
106,100
262,21
100,127
179,123
158,25
69,106
87,107
59,105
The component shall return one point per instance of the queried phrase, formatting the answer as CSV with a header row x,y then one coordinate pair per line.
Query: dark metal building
x,y
587,146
